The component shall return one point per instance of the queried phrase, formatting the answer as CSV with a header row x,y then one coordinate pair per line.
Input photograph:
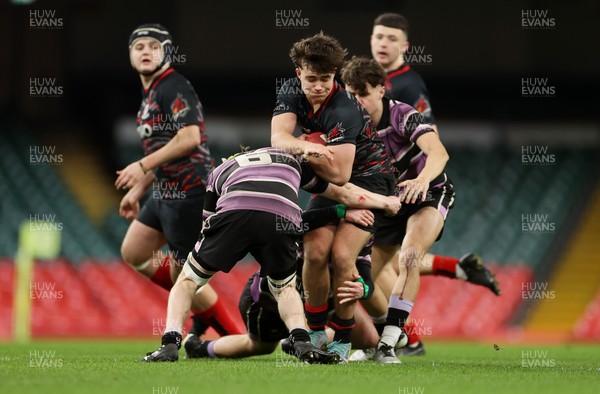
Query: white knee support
x,y
276,285
194,272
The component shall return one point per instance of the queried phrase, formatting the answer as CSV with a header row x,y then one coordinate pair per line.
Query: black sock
x,y
198,326
343,328
172,337
396,317
300,335
202,351
316,317
379,327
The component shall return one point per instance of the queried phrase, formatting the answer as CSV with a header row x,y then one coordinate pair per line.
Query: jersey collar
x,y
159,78
384,123
400,70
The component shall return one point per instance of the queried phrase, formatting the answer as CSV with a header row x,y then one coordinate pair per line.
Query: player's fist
x,y
129,207
392,205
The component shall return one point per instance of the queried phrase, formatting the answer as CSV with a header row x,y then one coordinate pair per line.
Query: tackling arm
x,y
357,197
282,130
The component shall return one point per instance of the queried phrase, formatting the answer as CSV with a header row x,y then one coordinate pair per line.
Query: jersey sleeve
x,y
287,100
210,198
310,181
409,123
181,104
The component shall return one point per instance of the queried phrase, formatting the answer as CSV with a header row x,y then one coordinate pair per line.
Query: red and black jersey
x,y
167,106
343,120
406,85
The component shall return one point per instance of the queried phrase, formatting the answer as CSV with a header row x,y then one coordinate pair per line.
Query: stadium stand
x,y
496,192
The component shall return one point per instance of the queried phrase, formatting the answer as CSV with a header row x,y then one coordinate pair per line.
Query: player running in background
x,y
252,207
315,102
389,43
176,163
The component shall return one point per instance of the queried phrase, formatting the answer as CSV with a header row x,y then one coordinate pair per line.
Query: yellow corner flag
x,y
36,239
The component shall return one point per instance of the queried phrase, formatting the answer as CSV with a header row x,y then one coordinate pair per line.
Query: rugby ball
x,y
317,138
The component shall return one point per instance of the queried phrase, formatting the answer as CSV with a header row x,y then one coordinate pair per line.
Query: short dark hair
x,y
393,20
321,53
359,71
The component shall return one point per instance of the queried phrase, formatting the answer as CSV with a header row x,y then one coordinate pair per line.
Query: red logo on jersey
x,y
336,134
388,87
423,106
179,107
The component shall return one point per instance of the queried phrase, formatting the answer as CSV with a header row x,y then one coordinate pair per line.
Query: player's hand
x,y
392,205
363,217
129,176
317,150
413,190
129,207
351,291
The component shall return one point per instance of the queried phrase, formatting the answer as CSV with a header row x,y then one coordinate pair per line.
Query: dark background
x,y
234,54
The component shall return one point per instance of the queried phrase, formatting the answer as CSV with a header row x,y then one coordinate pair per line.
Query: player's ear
x,y
405,47
298,72
381,91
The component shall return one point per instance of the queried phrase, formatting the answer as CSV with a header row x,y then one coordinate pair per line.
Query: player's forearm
x,y
287,142
180,145
435,164
334,172
355,197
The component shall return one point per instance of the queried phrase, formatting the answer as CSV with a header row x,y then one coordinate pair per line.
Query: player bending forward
x,y
251,207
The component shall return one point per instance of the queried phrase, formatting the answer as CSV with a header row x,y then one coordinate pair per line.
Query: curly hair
x,y
321,53
359,71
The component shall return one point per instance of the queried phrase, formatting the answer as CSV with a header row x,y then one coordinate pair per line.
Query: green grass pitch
x,y
87,367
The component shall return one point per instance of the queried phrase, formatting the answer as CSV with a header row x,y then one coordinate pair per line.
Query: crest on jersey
x,y
336,134
423,106
179,107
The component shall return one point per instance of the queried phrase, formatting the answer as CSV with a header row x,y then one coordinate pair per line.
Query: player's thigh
x,y
181,221
387,279
347,243
276,255
140,242
225,240
422,229
380,256
264,325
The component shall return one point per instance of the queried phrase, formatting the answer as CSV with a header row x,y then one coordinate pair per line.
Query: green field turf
x,y
109,367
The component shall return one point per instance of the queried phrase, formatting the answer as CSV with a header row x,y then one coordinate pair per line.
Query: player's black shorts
x,y
262,323
227,237
383,184
179,220
391,230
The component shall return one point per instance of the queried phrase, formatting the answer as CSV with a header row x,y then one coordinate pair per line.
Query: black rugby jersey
x,y
167,106
343,120
406,85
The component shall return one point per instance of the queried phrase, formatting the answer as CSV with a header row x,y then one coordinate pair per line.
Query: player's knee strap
x,y
276,285
195,272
